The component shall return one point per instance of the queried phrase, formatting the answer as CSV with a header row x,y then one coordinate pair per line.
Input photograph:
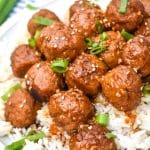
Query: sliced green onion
x,y
32,41
146,90
18,145
60,65
89,42
31,136
10,91
104,36
43,21
123,6
99,27
35,137
127,35
102,119
98,49
31,7
110,136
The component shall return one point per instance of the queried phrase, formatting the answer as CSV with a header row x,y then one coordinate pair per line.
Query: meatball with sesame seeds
x,y
22,58
114,43
21,109
144,28
81,5
86,21
146,4
70,108
122,88
84,73
92,137
129,20
136,54
45,13
59,41
42,81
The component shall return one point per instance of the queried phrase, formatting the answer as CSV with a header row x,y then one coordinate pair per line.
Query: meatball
x,y
84,73
23,58
91,137
41,80
80,5
114,44
122,88
33,26
59,41
85,21
70,108
128,21
21,109
144,29
137,54
146,4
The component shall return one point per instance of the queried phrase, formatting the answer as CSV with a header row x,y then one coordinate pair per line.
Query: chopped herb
x,y
10,92
123,6
43,21
104,36
102,119
127,35
31,7
60,65
110,136
32,41
98,49
146,90
99,27
18,145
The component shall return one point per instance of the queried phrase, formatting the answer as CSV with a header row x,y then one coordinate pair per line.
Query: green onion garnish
x,y
89,42
18,145
98,49
146,90
32,41
104,36
99,27
127,35
102,119
123,6
110,136
60,65
31,7
43,21
10,91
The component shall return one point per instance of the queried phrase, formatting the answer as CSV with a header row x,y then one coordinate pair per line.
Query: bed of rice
x,y
130,135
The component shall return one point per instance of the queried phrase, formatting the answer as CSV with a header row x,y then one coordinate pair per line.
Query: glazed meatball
x,y
42,81
146,4
23,58
59,41
70,108
91,137
137,54
33,26
122,88
84,73
114,44
144,29
81,5
85,21
128,21
21,109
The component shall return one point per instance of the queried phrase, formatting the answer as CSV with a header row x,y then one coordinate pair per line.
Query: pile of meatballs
x,y
117,72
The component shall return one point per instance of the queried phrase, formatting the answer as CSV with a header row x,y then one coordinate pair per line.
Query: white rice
x,y
127,137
